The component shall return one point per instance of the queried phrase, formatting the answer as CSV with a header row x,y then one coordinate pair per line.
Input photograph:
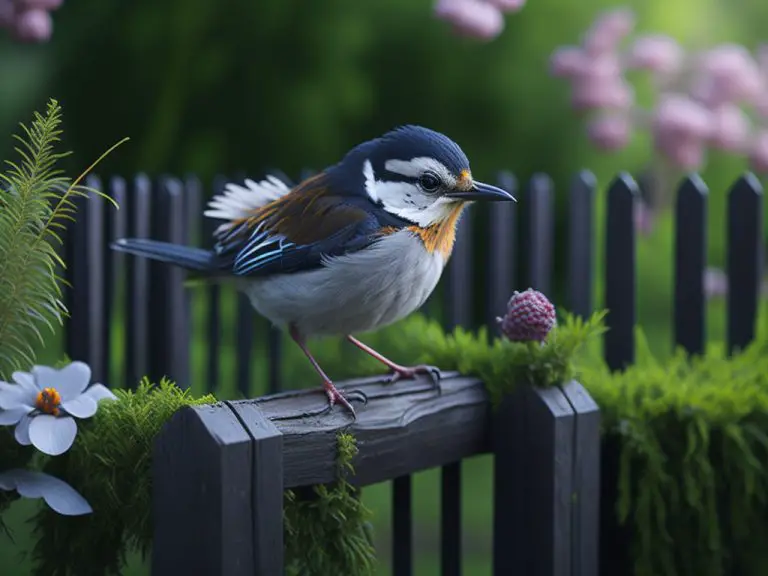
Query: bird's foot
x,y
410,372
345,399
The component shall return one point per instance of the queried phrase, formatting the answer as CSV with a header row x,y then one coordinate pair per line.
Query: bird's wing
x,y
239,202
296,231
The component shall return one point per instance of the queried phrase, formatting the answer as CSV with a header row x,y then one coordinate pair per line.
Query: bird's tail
x,y
196,259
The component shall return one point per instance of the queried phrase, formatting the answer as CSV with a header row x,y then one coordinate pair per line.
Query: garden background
x,y
206,89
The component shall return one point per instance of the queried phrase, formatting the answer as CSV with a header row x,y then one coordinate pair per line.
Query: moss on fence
x,y
693,447
693,439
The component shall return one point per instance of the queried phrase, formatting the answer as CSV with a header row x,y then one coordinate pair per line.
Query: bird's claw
x,y
410,372
345,399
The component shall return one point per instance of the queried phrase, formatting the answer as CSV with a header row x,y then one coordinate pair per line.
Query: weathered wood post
x,y
546,445
218,493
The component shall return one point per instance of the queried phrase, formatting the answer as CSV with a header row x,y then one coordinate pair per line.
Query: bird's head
x,y
416,174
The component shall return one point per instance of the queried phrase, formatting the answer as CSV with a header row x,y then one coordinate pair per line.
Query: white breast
x,y
355,293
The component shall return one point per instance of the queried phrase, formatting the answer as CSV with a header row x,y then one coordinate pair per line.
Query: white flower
x,y
41,405
59,495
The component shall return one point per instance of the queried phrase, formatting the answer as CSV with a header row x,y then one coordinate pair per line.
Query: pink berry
x,y
530,317
471,18
656,53
731,128
610,132
33,26
608,30
758,155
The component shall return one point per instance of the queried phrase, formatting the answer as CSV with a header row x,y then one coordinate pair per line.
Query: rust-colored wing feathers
x,y
294,231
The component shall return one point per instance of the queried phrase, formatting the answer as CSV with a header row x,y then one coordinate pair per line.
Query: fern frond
x,y
34,199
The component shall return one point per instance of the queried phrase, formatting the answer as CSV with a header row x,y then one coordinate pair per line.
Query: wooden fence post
x,y
217,493
546,445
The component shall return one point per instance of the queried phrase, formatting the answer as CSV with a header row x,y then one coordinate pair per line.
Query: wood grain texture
x,y
586,480
533,483
406,427
202,494
267,486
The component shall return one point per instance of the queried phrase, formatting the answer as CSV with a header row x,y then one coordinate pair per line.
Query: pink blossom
x,y
610,131
731,128
715,283
47,5
758,155
762,58
608,30
471,18
677,113
600,84
657,53
7,14
33,26
607,92
569,61
680,129
508,5
683,150
727,73
643,218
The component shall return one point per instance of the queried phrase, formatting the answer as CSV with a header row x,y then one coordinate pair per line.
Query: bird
x,y
347,251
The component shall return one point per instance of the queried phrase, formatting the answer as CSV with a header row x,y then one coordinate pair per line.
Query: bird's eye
x,y
429,181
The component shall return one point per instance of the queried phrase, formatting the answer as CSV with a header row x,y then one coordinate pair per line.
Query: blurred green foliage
x,y
207,88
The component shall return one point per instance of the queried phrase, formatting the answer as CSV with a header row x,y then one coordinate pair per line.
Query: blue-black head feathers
x,y
408,142
402,143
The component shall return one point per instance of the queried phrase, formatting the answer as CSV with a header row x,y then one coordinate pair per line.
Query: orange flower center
x,y
48,401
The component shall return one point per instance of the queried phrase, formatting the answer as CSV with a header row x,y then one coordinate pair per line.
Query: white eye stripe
x,y
417,166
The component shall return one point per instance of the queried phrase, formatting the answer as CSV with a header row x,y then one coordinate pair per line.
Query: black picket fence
x,y
518,241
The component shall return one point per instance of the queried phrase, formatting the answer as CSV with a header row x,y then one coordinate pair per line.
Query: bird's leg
x,y
400,371
333,394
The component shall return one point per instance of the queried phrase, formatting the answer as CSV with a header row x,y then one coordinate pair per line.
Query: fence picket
x,y
690,262
539,223
581,244
745,259
137,271
501,249
619,341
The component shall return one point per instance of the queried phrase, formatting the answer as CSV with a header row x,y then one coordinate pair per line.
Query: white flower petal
x,y
22,431
73,379
45,377
81,407
70,381
12,417
14,398
52,435
26,380
99,392
59,495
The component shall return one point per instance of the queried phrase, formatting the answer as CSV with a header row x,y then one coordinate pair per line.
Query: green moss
x,y
502,364
328,531
109,464
688,440
692,453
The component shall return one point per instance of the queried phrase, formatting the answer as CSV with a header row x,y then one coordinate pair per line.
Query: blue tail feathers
x,y
184,256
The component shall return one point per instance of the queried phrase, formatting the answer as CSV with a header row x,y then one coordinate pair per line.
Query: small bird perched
x,y
354,248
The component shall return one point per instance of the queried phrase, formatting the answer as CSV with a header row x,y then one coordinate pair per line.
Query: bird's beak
x,y
481,191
